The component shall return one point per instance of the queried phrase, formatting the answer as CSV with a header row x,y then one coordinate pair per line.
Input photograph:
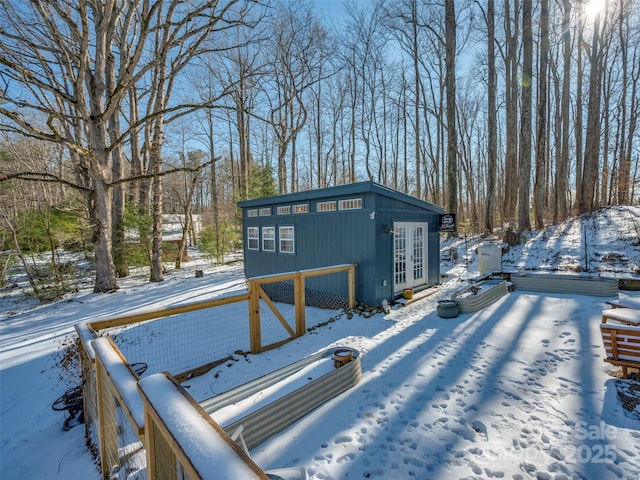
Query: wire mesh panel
x,y
183,342
273,328
121,422
165,464
280,292
183,441
90,401
282,301
125,455
187,340
314,295
331,287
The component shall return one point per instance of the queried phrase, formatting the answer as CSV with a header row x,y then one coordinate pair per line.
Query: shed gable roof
x,y
340,190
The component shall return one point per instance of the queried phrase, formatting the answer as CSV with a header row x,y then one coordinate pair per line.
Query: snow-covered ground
x,y
517,390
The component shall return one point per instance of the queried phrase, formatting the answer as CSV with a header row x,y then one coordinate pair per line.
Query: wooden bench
x,y
622,345
624,303
628,316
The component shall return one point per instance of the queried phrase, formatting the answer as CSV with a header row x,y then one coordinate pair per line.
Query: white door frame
x,y
409,255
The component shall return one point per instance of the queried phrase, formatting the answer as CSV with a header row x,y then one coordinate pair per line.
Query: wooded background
x,y
514,115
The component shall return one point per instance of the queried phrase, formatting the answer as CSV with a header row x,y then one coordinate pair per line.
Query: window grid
x,y
285,210
418,253
265,212
400,248
252,213
268,239
326,206
287,239
301,208
253,238
350,204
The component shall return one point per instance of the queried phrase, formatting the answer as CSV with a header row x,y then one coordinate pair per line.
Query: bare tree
x,y
524,163
510,57
629,104
296,55
539,190
562,161
450,85
586,199
492,123
70,66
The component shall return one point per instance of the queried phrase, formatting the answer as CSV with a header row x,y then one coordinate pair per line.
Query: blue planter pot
x,y
448,309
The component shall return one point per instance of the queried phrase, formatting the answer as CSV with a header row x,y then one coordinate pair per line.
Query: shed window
x,y
269,239
350,204
301,208
285,210
326,206
287,240
265,212
252,213
253,241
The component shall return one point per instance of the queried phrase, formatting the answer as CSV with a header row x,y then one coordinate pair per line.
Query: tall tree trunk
x,y
626,185
540,185
243,149
105,270
188,221
592,145
627,117
602,195
578,118
511,114
416,73
156,248
155,162
117,169
562,162
214,184
492,122
524,164
450,85
405,142
321,173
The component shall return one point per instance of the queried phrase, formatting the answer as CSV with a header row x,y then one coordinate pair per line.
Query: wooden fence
x,y
109,412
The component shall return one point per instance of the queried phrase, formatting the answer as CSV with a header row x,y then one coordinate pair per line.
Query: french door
x,y
410,250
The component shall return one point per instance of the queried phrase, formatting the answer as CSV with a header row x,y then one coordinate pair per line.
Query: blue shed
x,y
392,237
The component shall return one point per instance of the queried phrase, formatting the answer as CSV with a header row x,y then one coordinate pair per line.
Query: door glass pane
x,y
400,259
418,253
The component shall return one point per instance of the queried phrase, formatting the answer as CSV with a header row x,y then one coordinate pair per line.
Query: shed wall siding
x,y
342,236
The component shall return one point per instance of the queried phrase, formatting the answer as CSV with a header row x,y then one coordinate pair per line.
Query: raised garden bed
x,y
555,283
271,403
480,295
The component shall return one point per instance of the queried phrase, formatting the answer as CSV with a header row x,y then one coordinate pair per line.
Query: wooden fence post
x,y
301,322
254,318
352,286
102,440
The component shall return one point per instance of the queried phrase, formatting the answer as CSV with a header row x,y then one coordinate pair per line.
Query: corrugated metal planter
x,y
480,295
598,287
274,417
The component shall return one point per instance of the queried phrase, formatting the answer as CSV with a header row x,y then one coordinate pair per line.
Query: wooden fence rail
x,y
107,394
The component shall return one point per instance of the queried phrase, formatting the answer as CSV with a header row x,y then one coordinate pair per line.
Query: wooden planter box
x,y
597,287
629,283
489,292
